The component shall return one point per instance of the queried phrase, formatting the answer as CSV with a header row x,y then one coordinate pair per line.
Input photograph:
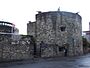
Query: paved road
x,y
65,62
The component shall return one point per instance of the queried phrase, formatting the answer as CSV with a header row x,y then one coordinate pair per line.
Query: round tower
x,y
61,28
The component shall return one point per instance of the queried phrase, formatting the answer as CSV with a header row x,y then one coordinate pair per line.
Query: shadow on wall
x,y
86,46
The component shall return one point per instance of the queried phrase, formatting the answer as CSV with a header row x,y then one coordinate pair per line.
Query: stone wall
x,y
31,30
16,49
50,50
59,27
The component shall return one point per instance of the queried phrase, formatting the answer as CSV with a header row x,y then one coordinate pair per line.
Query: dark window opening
x,y
62,28
61,48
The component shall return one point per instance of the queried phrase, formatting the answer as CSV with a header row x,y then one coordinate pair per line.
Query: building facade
x,y
86,34
7,27
58,28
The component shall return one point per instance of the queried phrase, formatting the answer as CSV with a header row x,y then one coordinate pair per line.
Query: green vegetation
x,y
85,42
86,45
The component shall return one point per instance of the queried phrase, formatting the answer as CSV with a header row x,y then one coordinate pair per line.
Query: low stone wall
x,y
24,47
50,50
53,50
47,51
16,50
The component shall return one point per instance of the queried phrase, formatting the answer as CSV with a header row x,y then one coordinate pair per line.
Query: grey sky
x,y
20,12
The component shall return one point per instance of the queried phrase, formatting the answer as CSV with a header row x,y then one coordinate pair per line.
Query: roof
x,y
87,32
7,23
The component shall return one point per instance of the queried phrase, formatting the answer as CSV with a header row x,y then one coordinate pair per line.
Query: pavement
x,y
59,62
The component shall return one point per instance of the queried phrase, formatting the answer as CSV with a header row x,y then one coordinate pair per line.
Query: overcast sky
x,y
20,12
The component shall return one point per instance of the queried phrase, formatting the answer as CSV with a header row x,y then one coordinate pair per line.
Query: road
x,y
62,62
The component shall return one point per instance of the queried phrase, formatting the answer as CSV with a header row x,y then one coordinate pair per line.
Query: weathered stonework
x,y
31,28
19,49
58,28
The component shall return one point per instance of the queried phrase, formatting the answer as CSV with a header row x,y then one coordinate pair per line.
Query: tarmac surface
x,y
59,62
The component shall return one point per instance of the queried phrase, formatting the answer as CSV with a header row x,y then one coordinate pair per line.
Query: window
x,y
61,48
62,28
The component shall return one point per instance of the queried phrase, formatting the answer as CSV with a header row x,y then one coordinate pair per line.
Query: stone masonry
x,y
60,28
19,49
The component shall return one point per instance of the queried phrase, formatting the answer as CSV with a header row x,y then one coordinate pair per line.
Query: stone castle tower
x,y
58,27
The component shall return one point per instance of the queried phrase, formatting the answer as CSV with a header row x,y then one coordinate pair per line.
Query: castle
x,y
58,28
54,33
